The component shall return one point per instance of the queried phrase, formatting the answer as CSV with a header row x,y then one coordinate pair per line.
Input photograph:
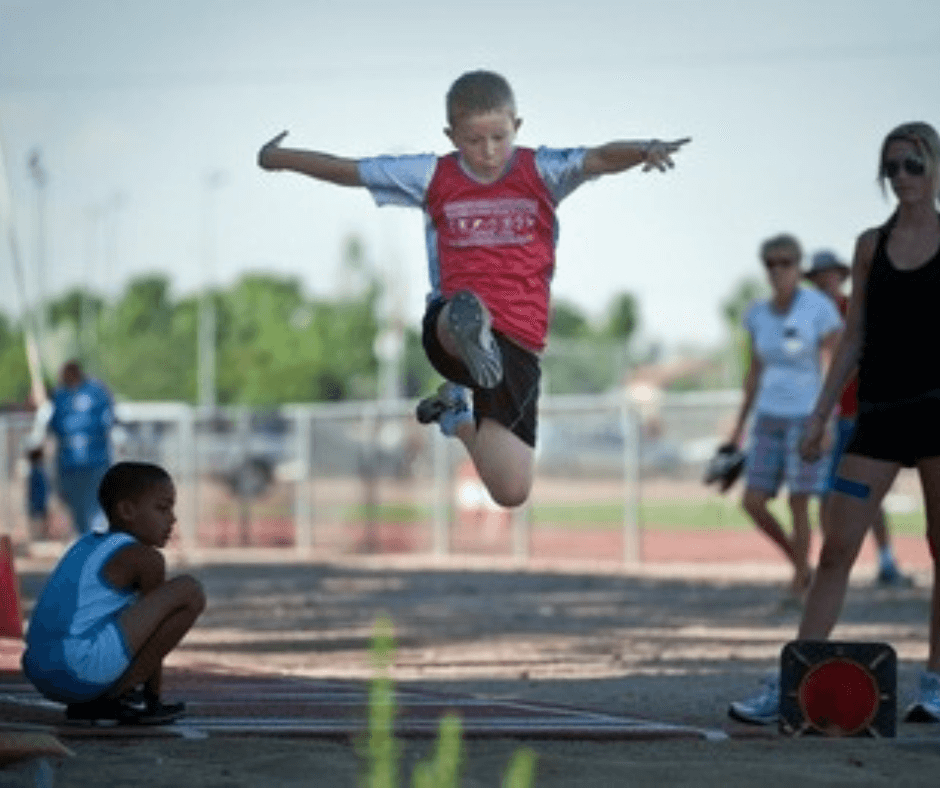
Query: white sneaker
x,y
926,705
762,709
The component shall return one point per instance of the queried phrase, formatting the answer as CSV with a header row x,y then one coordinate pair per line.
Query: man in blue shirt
x,y
81,418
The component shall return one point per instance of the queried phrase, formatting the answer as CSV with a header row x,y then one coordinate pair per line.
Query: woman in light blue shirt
x,y
792,333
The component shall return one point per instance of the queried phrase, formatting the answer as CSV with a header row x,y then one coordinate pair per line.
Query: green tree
x,y
623,317
732,310
14,371
145,350
581,359
735,305
419,376
276,347
273,344
568,321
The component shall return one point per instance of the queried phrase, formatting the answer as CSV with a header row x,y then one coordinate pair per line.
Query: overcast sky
x,y
148,116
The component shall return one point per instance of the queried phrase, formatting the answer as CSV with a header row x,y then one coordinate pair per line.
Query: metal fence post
x,y
441,522
303,522
631,482
521,519
188,465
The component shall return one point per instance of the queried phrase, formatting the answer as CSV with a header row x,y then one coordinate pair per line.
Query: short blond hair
x,y
478,92
922,136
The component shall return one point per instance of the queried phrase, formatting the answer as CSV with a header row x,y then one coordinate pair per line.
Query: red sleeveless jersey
x,y
497,240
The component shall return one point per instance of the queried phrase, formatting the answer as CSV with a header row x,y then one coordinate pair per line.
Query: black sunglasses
x,y
914,167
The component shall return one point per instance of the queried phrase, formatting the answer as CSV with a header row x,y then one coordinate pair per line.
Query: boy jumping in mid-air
x,y
491,234
108,615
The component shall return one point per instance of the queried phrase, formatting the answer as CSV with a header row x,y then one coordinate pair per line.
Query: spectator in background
x,y
80,417
37,495
889,332
790,334
829,274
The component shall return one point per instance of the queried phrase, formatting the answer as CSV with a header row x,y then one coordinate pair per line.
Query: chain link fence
x,y
365,477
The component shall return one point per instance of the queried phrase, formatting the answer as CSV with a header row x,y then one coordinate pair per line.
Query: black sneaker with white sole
x,y
124,711
447,406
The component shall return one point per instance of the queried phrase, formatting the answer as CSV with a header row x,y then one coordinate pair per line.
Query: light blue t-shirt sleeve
x,y
828,318
398,180
562,169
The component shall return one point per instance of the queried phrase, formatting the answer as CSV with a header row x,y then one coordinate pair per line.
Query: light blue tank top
x,y
77,597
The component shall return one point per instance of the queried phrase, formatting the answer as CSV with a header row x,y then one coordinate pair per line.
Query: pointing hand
x,y
659,154
269,147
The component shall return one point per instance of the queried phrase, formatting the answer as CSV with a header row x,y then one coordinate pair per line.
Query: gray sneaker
x,y
469,325
926,705
763,708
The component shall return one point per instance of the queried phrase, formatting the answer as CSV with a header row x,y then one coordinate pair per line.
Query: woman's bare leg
x,y
929,471
755,504
848,518
800,540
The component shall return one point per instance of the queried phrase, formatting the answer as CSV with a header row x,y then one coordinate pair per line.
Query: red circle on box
x,y
839,697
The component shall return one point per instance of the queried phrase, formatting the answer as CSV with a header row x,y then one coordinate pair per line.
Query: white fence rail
x,y
364,476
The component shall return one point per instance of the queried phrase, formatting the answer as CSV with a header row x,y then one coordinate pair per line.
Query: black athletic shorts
x,y
514,401
904,432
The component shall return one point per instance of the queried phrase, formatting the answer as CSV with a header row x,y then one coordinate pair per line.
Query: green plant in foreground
x,y
442,770
383,751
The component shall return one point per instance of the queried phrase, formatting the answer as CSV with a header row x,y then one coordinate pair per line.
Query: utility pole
x,y
40,178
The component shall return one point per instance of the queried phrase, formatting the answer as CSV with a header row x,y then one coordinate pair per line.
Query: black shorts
x,y
514,402
904,432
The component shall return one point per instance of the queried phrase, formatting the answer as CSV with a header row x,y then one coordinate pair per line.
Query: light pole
x,y
86,319
40,178
206,361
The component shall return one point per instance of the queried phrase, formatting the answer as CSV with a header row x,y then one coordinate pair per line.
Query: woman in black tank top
x,y
900,307
892,328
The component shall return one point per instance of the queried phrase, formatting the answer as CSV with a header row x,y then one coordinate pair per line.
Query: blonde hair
x,y
783,241
924,138
478,92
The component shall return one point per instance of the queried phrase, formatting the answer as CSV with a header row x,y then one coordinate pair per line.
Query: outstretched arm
x,y
323,166
624,154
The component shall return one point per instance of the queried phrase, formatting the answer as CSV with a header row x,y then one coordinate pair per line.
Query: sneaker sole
x,y
919,713
470,328
895,583
155,719
736,715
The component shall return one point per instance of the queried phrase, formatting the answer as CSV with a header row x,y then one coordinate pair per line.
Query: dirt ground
x,y
666,642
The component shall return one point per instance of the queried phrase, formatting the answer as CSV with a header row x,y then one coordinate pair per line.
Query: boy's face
x,y
485,141
150,516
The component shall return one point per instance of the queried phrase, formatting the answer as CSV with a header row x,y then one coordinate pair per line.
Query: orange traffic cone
x,y
11,620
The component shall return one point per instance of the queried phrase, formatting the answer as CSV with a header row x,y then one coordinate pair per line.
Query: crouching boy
x,y
108,616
